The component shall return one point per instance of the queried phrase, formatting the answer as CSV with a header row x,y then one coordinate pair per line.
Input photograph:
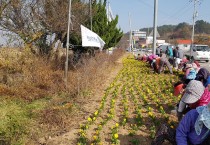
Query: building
x,y
139,38
139,34
184,44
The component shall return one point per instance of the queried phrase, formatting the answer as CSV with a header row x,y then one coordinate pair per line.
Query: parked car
x,y
200,52
163,47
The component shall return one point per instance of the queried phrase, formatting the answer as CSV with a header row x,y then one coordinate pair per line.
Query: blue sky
x,y
169,12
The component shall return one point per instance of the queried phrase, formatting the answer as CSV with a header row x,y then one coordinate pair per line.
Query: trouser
x,y
167,133
154,66
171,60
162,64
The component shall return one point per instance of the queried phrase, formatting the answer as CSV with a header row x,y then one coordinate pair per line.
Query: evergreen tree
x,y
108,31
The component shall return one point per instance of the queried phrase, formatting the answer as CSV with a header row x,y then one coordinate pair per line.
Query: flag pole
x,y
67,46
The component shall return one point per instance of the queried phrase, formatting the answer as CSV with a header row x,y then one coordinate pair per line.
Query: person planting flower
x,y
193,97
203,75
164,62
193,129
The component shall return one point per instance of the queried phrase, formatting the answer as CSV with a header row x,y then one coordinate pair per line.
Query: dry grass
x,y
33,79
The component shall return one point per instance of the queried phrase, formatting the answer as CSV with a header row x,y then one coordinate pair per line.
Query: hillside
x,y
184,31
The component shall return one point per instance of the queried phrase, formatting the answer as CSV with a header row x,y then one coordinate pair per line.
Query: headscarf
x,y
202,74
203,119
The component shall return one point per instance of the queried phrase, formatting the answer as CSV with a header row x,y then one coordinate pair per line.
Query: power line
x,y
176,14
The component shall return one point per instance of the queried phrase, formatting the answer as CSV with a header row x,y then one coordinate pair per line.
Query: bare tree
x,y
33,20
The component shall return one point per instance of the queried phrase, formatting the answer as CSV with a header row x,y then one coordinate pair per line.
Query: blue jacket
x,y
207,82
186,130
170,52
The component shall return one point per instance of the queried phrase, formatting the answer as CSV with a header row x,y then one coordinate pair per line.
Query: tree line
x,y
182,30
34,20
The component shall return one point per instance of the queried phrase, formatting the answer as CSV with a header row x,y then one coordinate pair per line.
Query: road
x,y
205,65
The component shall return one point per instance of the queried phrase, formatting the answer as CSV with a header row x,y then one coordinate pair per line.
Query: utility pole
x,y
91,18
67,46
193,29
155,25
130,39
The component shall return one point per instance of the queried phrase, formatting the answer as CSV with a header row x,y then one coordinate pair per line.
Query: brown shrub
x,y
32,77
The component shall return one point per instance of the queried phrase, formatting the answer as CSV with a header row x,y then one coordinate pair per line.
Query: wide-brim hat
x,y
193,92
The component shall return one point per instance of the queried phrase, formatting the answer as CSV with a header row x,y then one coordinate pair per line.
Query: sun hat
x,y
203,118
193,92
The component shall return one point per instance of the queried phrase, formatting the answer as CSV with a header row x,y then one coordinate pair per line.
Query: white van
x,y
200,52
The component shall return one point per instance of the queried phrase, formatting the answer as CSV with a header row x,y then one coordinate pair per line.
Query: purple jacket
x,y
185,132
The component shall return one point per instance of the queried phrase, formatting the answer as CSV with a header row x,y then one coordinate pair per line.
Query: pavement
x,y
205,65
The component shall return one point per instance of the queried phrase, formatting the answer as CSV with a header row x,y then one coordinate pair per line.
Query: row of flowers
x,y
150,95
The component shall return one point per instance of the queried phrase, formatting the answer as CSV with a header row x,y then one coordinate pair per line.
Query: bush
x,y
34,97
13,123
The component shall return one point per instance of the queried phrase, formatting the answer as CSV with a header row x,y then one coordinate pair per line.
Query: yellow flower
x,y
83,134
116,136
100,126
94,118
117,124
89,119
94,137
96,113
149,108
150,114
97,132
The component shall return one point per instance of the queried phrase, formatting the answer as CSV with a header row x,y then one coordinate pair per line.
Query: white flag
x,y
91,39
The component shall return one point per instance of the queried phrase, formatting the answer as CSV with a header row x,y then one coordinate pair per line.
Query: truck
x,y
199,52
